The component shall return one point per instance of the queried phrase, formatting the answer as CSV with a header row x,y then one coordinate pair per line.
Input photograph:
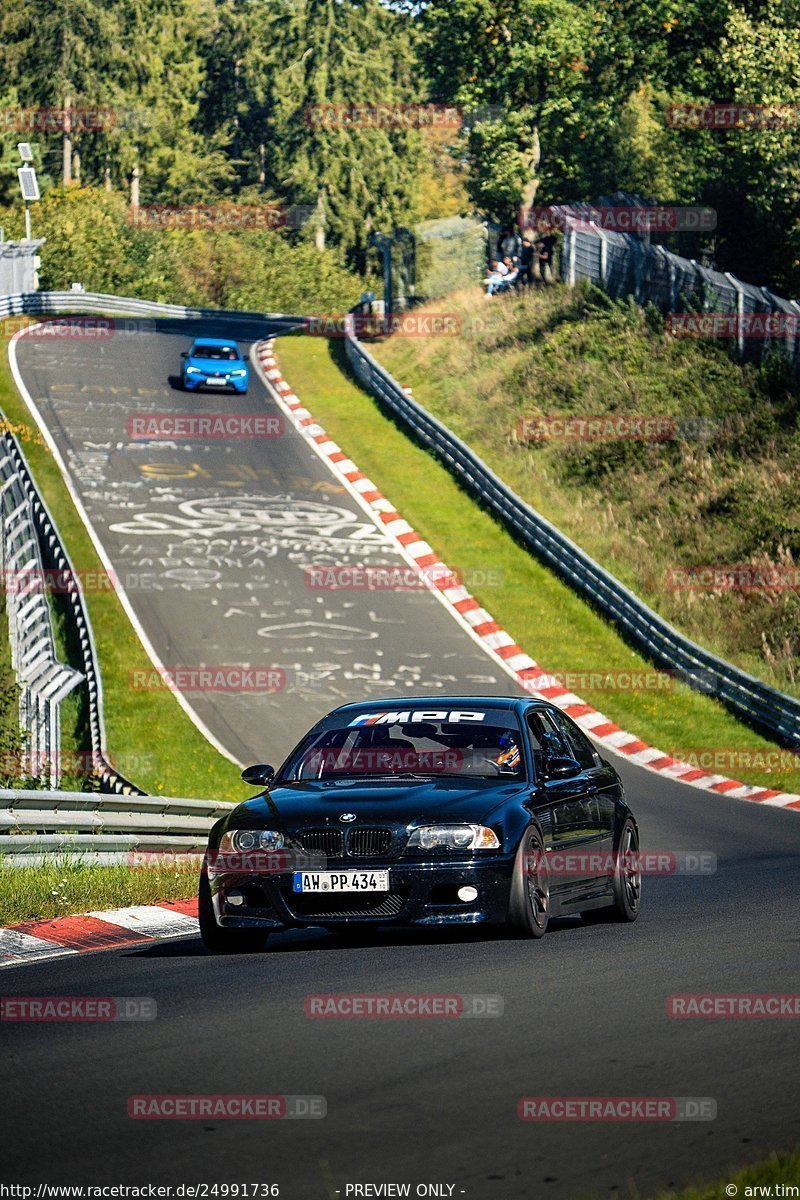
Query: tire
x,y
627,883
224,941
529,897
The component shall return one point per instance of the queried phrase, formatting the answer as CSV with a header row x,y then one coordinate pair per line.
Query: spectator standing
x,y
546,248
525,278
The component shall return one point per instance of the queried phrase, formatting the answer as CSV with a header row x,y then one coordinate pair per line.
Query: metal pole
x,y
28,237
383,244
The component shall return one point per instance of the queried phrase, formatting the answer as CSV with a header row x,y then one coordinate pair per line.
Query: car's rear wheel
x,y
529,898
224,941
627,881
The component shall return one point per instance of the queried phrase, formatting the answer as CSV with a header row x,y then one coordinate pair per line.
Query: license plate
x,y
216,381
341,881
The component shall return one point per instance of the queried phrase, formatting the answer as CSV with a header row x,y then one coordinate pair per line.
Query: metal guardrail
x,y
42,304
37,827
43,680
623,264
52,556
762,705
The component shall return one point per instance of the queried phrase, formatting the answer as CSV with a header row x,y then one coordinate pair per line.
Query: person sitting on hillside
x,y
509,279
495,276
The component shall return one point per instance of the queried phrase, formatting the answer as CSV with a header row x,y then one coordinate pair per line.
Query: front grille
x,y
368,843
323,841
318,907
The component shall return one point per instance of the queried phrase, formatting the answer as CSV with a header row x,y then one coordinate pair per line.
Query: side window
x,y
543,729
582,748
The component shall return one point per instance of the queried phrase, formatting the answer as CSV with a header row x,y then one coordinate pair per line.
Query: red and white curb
x,y
115,929
479,623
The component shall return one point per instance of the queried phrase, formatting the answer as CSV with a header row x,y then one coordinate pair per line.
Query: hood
x,y
402,802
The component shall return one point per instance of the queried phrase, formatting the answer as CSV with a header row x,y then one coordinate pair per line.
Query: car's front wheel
x,y
529,899
224,941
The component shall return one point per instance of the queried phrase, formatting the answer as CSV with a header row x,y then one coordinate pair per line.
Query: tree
x,y
336,54
58,54
530,59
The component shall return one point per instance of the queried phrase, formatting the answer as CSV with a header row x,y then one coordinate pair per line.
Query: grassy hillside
x,y
723,489
547,619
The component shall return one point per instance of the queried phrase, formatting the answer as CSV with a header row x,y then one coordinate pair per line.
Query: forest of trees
x,y
210,101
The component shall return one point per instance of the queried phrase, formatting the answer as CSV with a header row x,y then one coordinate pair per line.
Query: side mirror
x,y
184,353
562,768
262,774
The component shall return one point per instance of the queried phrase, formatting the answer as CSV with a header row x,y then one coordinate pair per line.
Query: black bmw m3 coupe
x,y
455,810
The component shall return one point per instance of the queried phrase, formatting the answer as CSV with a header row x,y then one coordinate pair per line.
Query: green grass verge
x,y
62,887
777,1169
547,619
150,738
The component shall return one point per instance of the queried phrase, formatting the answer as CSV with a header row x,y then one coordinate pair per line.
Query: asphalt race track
x,y
211,540
408,1101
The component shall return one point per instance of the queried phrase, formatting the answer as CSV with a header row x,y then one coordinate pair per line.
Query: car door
x,y
596,837
569,825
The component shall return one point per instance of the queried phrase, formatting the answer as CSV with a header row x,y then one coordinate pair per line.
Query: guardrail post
x,y
603,258
568,270
734,282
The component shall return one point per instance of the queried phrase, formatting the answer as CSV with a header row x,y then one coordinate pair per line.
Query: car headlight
x,y
453,837
251,839
193,371
239,373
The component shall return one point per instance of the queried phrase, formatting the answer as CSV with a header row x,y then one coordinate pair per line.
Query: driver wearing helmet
x,y
509,758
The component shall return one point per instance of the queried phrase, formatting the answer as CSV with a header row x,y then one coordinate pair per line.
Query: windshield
x,y
409,747
224,353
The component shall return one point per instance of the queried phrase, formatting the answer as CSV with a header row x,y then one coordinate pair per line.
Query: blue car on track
x,y
216,364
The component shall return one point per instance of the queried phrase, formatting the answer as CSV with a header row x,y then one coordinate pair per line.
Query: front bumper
x,y
194,383
422,893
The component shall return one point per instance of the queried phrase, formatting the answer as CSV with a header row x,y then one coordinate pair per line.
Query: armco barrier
x,y
53,555
42,304
43,680
623,264
39,826
757,702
